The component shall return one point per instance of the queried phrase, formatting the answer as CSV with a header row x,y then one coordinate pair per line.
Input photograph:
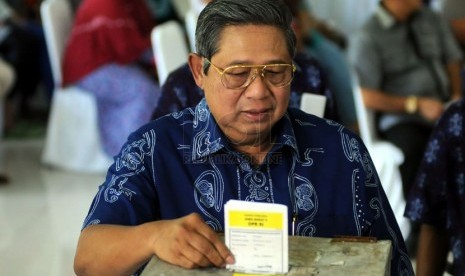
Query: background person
x,y
408,63
109,55
327,46
22,45
437,200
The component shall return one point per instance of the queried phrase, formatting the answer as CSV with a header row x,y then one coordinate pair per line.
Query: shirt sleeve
x,y
452,51
427,200
127,197
384,225
366,61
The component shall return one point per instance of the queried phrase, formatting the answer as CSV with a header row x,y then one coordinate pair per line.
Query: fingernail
x,y
230,260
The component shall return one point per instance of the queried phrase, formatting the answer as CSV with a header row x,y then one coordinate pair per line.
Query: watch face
x,y
411,104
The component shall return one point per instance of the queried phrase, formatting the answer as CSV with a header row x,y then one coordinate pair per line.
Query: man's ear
x,y
196,65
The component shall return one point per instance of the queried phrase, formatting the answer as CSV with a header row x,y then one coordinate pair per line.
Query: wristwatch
x,y
411,104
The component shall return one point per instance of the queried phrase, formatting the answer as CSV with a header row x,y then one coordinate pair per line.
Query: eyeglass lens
x,y
241,76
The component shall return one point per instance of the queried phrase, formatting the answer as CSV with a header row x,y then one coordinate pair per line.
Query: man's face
x,y
413,5
247,115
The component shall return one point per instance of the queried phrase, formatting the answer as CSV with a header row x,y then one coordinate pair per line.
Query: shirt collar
x,y
386,19
207,137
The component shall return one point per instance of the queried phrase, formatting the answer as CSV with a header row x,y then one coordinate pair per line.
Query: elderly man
x,y
166,191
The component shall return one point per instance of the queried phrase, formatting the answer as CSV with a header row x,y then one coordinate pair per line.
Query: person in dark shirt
x,y
437,200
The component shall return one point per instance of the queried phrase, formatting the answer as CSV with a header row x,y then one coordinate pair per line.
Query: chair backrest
x,y
191,23
365,116
57,18
169,47
313,103
181,7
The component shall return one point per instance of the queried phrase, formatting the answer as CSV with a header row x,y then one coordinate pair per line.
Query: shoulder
x,y
308,68
456,107
309,76
169,126
296,115
180,84
309,128
304,60
371,26
161,138
180,74
340,148
448,133
371,29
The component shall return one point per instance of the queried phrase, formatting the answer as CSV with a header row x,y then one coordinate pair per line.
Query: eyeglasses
x,y
241,76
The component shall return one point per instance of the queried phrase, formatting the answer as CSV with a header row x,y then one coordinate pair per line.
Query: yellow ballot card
x,y
257,235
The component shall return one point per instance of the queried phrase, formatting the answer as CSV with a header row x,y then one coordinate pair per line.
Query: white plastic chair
x,y
313,103
386,157
181,7
72,140
169,47
190,25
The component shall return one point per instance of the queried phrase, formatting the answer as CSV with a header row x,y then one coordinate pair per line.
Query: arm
x,y
432,251
7,77
378,216
120,250
455,79
458,28
429,108
453,57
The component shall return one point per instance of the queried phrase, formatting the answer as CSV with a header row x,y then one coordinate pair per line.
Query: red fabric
x,y
106,31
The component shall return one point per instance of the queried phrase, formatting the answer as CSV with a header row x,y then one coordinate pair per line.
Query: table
x,y
309,256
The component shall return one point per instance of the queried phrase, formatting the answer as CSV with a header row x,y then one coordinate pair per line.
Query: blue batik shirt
x,y
182,163
438,196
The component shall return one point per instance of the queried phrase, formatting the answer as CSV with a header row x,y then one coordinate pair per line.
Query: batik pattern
x,y
438,196
183,163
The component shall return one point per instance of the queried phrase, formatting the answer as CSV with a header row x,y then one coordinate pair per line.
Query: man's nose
x,y
257,72
257,89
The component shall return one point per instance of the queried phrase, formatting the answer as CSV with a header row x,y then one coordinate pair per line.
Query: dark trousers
x,y
21,48
412,140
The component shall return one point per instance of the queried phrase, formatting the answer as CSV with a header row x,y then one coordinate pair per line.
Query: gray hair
x,y
219,14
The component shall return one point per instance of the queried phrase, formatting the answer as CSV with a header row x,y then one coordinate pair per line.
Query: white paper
x,y
257,235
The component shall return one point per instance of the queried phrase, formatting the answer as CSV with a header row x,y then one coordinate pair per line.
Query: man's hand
x,y
189,242
430,109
